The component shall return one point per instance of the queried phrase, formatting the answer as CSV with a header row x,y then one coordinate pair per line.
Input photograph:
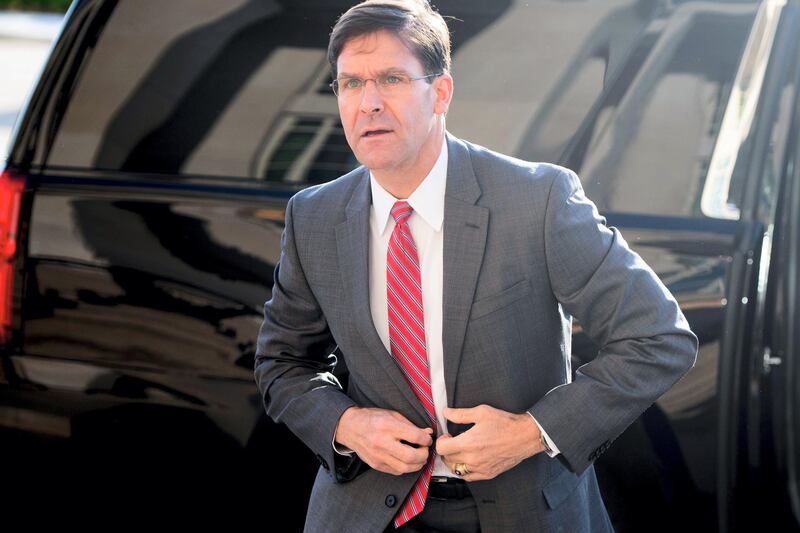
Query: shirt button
x,y
391,500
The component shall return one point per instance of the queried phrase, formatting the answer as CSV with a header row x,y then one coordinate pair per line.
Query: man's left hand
x,y
497,442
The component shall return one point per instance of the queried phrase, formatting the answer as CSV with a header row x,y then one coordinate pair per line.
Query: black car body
x,y
143,203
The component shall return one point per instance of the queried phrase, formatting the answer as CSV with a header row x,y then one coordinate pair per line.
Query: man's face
x,y
393,133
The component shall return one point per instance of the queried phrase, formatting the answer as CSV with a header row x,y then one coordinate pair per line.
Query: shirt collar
x,y
427,200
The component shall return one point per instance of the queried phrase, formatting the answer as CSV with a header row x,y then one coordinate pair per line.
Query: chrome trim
x,y
770,361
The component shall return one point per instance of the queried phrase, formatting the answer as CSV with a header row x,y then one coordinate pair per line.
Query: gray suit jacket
x,y
524,251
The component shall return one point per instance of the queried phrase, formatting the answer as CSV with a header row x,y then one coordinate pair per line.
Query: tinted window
x,y
628,93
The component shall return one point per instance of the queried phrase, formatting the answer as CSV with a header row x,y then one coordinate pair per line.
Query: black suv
x,y
143,202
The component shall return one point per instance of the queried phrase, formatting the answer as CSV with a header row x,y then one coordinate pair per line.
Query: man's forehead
x,y
367,42
392,52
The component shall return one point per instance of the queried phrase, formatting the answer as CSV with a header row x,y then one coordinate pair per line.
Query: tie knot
x,y
401,211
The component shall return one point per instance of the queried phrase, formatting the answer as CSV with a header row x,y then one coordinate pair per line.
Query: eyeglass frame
x,y
365,80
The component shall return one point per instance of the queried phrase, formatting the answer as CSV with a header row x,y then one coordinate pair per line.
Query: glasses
x,y
387,84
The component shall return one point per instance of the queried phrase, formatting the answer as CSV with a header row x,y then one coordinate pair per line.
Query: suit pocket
x,y
492,303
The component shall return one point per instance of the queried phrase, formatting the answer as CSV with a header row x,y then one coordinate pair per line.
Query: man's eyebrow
x,y
391,70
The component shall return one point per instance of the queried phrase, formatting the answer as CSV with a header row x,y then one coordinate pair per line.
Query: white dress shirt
x,y
425,224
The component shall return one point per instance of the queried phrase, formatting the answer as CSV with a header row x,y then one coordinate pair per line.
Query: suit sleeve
x,y
293,361
645,342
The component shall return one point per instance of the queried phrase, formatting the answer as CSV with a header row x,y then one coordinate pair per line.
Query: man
x,y
445,275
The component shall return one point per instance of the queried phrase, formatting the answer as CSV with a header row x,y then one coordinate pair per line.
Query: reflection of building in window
x,y
306,144
628,93
306,149
323,82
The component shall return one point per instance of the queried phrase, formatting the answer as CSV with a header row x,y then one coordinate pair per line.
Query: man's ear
x,y
443,87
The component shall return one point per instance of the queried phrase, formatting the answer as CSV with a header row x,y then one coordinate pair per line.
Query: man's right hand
x,y
376,434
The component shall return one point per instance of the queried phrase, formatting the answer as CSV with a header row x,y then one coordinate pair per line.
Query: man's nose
x,y
371,99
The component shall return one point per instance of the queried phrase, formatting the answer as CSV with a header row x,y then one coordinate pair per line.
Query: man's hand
x,y
497,442
377,436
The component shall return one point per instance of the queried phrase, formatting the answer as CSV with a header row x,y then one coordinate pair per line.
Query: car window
x,y
629,93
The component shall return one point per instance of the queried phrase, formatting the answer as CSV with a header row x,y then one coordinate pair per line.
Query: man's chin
x,y
376,164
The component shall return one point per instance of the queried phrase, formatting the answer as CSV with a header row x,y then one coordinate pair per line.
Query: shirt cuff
x,y
554,449
340,449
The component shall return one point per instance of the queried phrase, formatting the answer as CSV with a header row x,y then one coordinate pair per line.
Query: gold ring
x,y
461,469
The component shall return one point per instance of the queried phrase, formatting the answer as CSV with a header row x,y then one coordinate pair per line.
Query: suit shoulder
x,y
506,169
331,196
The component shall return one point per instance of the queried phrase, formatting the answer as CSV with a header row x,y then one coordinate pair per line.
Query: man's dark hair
x,y
421,29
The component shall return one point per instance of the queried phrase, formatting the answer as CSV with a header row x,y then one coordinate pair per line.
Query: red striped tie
x,y
407,338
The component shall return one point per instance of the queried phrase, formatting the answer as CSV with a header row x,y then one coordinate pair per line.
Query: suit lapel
x,y
352,243
465,229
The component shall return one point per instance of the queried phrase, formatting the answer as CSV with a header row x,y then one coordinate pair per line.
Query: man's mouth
x,y
374,133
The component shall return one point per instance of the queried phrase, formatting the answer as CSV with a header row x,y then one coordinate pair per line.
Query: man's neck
x,y
401,184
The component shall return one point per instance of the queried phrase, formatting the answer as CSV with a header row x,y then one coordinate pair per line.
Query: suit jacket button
x,y
323,461
391,500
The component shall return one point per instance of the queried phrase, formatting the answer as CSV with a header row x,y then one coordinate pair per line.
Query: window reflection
x,y
308,150
629,93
